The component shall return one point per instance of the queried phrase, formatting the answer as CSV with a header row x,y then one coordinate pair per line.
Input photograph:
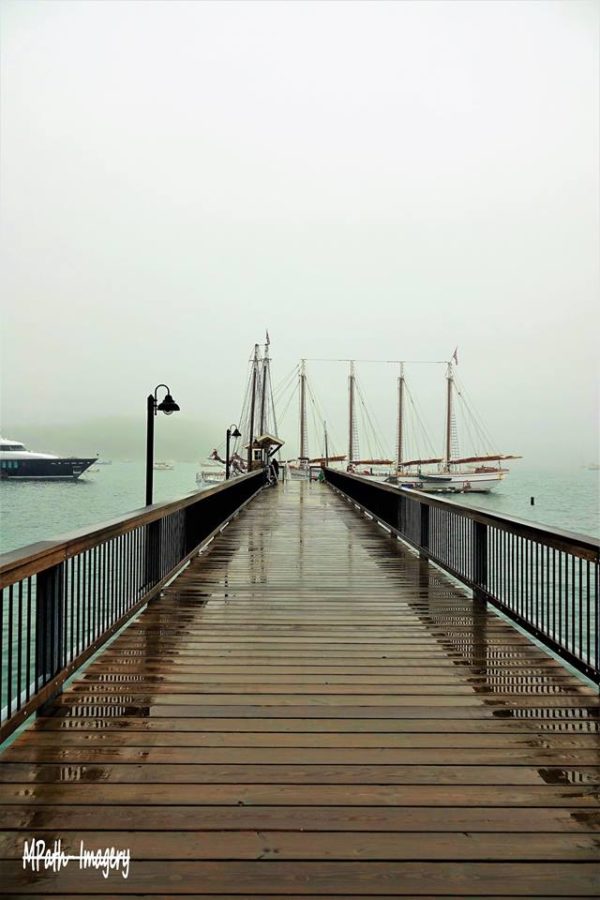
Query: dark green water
x,y
40,510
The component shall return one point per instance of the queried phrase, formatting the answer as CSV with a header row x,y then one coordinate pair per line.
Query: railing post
x,y
480,533
424,541
49,619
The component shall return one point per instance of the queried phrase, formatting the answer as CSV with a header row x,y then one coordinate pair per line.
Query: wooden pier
x,y
311,710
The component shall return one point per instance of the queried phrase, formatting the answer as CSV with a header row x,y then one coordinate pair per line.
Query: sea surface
x,y
568,499
33,511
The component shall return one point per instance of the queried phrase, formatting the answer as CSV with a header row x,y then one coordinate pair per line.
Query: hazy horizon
x,y
366,180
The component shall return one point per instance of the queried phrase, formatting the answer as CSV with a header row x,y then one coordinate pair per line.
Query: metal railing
x,y
61,600
545,579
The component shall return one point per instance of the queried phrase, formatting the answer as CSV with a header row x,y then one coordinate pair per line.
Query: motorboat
x,y
210,474
20,464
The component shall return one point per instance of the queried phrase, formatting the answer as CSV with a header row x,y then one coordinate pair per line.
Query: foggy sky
x,y
370,180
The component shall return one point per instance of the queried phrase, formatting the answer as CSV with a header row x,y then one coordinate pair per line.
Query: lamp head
x,y
168,406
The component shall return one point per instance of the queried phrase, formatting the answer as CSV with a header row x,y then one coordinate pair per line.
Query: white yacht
x,y
19,463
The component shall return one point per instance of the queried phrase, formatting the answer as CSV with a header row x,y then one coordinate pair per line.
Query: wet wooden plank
x,y
392,758
531,727
94,737
221,896
348,879
78,707
88,787
261,844
141,770
334,702
372,819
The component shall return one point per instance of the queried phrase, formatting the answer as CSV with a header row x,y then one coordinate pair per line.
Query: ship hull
x,y
452,482
66,469
463,482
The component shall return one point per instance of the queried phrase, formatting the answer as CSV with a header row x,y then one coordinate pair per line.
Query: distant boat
x,y
164,466
593,467
20,464
210,474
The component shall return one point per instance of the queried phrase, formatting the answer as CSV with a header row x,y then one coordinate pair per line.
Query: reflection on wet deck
x,y
310,710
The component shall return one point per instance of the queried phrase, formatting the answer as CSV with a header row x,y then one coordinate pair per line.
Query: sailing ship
x,y
455,473
450,471
306,466
257,440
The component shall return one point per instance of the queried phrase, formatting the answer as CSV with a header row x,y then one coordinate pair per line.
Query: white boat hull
x,y
453,482
210,476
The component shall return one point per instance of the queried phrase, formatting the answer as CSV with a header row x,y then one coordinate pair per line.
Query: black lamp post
x,y
232,431
167,406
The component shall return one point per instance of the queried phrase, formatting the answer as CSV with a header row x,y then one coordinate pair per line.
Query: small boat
x,y
20,464
210,474
163,466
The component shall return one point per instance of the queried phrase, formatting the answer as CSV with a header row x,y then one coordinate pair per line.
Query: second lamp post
x,y
232,431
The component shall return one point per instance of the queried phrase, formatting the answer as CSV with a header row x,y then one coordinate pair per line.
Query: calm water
x,y
38,510
35,511
567,499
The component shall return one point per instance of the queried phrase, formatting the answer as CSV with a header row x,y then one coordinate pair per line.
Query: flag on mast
x,y
455,356
267,341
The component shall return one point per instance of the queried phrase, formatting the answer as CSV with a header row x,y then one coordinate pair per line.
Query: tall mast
x,y
326,444
252,404
265,379
449,411
303,435
351,443
400,435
